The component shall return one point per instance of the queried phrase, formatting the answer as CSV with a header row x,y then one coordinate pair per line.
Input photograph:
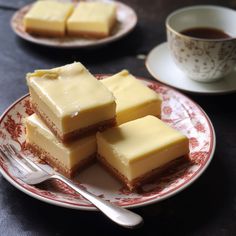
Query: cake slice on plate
x,y
48,18
92,19
136,151
71,101
133,99
65,158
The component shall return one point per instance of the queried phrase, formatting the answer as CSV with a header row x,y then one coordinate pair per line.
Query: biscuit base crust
x,y
92,34
57,165
87,34
77,133
136,183
44,33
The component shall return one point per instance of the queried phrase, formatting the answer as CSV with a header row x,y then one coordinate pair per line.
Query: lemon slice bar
x,y
133,99
92,19
47,18
136,151
71,101
67,159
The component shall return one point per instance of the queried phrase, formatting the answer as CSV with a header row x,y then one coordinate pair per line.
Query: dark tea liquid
x,y
205,33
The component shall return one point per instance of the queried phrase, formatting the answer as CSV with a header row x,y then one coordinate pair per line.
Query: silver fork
x,y
31,173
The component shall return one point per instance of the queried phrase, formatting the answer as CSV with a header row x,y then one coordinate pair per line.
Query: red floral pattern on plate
x,y
177,110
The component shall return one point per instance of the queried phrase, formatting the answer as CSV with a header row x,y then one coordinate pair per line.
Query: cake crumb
x,y
141,56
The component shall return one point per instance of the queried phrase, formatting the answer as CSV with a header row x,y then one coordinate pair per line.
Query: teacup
x,y
203,59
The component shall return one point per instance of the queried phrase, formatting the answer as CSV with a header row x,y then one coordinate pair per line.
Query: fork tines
x,y
17,159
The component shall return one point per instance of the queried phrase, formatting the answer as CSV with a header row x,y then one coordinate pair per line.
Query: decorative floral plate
x,y
126,17
177,110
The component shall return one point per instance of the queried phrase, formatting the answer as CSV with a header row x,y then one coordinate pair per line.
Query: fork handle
x,y
116,213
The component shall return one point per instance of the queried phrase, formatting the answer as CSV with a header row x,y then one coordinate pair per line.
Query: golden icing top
x,y
128,91
137,138
50,10
93,12
70,89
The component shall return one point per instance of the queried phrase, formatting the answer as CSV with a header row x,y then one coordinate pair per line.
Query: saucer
x,y
162,67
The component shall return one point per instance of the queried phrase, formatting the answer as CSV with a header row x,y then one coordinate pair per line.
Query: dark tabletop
x,y
208,207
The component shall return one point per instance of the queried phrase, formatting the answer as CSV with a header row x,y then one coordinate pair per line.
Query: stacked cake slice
x,y
71,101
78,117
66,158
71,105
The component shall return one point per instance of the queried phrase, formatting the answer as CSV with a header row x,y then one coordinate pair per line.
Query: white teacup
x,y
200,59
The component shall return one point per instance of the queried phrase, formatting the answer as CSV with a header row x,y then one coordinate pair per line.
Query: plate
x,y
126,16
162,67
177,110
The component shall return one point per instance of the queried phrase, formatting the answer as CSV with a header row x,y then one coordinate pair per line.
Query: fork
x,y
32,174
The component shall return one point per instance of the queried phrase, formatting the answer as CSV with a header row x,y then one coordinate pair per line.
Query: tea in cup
x,y
202,41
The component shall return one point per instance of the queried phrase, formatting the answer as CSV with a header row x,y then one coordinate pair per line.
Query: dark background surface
x,y
208,207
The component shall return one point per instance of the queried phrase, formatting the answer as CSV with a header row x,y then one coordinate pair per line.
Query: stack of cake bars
x,y
93,19
79,119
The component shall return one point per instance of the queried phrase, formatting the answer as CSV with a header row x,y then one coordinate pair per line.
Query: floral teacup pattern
x,y
202,60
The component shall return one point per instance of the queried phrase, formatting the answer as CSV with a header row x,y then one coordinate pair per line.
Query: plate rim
x,y
153,200
156,77
104,41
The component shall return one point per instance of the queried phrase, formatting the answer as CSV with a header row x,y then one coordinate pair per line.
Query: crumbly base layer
x,y
91,34
45,33
56,164
87,34
136,183
77,133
